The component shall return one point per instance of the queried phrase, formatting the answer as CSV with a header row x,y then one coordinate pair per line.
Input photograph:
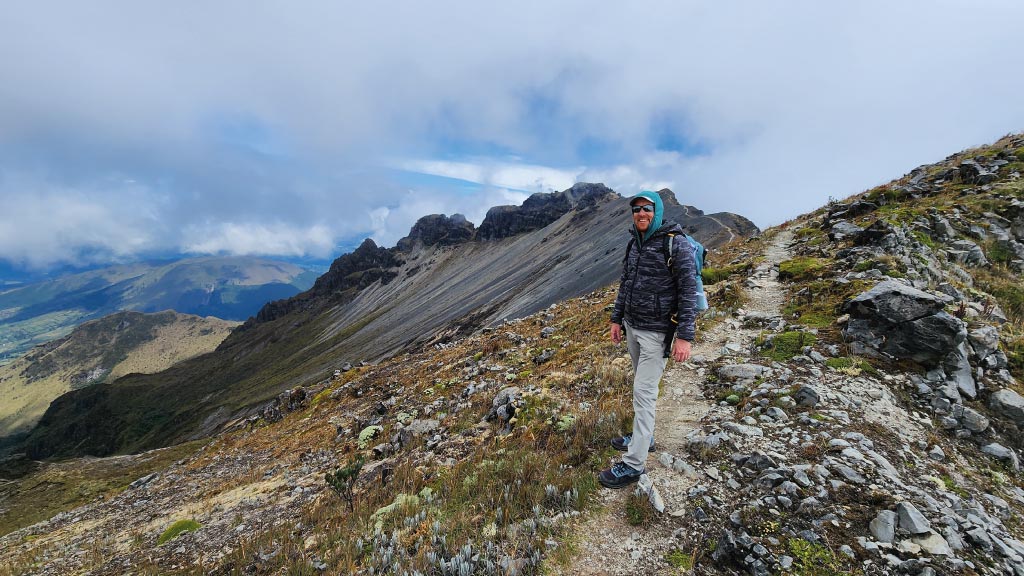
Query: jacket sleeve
x,y
686,288
618,311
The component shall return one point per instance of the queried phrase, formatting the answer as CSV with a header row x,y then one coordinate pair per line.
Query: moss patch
x,y
802,269
179,527
784,346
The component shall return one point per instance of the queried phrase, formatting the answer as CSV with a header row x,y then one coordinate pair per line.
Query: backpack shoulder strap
x,y
668,251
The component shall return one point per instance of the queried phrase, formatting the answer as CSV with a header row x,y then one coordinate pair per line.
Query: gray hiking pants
x,y
647,349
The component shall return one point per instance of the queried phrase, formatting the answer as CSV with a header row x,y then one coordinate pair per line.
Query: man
x,y
655,311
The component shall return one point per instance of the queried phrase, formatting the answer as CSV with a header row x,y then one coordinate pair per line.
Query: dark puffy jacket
x,y
650,295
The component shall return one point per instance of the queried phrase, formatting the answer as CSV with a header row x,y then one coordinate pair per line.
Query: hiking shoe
x,y
619,475
621,443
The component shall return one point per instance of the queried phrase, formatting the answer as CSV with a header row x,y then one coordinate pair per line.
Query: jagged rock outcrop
x,y
438,229
903,322
539,210
350,272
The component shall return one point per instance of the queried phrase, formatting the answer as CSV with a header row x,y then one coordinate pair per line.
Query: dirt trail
x,y
607,545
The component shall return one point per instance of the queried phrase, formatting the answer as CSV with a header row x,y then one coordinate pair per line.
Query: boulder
x,y
843,230
911,519
970,419
806,396
893,303
971,172
1003,453
967,252
928,340
1008,403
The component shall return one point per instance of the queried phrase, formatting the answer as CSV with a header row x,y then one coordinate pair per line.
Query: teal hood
x,y
659,212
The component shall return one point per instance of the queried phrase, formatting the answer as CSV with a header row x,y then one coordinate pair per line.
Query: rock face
x,y
438,229
539,210
904,322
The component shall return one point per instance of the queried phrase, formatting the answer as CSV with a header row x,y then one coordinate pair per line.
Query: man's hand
x,y
616,331
681,350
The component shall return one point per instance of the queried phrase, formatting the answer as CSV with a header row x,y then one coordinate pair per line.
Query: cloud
x,y
289,120
42,224
256,239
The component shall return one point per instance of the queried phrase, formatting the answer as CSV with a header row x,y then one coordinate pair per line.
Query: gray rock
x,y
743,429
893,303
911,520
978,537
1008,403
984,341
420,427
933,544
967,252
973,420
883,527
843,229
1003,453
928,340
742,371
849,474
806,396
776,413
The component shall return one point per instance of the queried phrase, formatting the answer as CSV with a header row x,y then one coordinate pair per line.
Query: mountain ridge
x,y
372,303
231,287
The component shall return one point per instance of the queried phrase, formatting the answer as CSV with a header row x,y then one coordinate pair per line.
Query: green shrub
x,y
679,559
639,511
713,275
343,480
814,559
999,253
177,528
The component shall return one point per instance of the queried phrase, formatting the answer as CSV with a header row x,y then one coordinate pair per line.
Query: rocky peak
x,y
539,210
358,269
438,229
668,197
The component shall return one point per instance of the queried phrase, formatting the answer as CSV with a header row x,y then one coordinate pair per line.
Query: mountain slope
x,y
101,351
232,288
369,305
817,438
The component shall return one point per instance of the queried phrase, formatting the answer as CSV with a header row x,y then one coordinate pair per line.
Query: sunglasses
x,y
645,208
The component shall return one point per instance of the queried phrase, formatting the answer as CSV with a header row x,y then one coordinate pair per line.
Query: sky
x,y
138,128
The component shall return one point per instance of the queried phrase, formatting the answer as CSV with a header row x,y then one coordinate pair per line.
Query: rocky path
x,y
607,544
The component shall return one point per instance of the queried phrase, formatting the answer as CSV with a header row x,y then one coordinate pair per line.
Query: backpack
x,y
699,252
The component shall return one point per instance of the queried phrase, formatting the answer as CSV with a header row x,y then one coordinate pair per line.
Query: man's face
x,y
642,218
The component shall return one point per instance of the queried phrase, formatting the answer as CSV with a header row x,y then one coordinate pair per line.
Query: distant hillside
x,y
444,280
100,351
231,288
